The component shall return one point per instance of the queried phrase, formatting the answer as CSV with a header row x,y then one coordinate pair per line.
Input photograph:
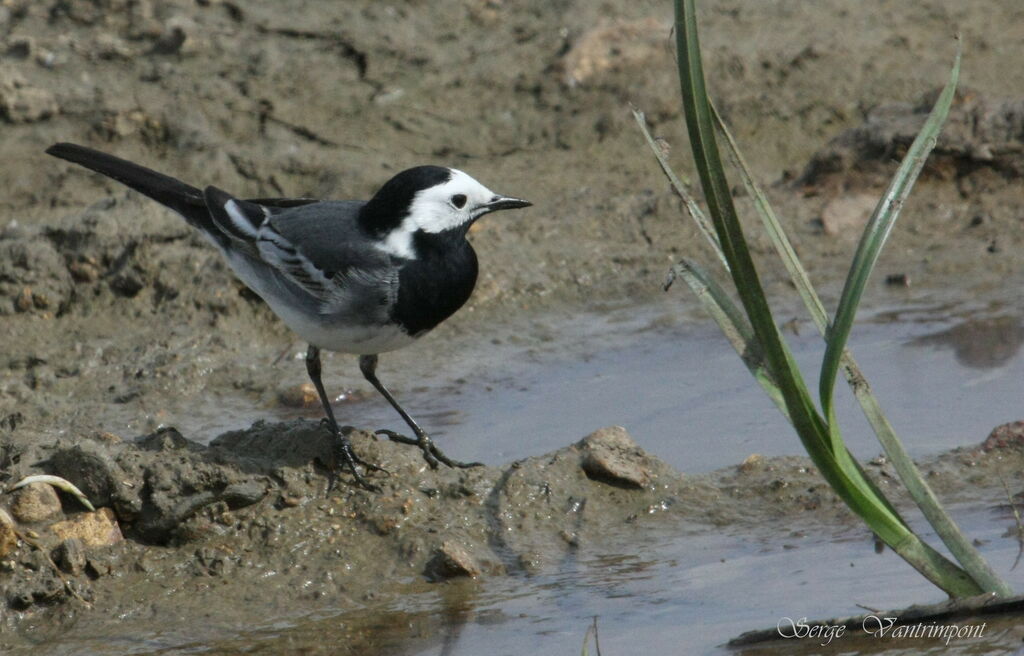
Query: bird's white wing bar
x,y
245,225
282,255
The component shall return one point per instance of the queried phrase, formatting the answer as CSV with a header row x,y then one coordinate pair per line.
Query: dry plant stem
x,y
56,570
681,188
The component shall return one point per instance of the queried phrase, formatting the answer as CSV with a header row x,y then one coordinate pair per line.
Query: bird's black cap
x,y
389,206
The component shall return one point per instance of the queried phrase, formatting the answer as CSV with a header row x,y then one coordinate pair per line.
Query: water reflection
x,y
980,343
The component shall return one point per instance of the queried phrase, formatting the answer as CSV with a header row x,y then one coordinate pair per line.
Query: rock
x,y
751,463
23,301
1005,436
848,214
451,560
35,502
91,469
979,133
21,47
611,455
20,103
614,46
96,529
33,274
70,556
167,439
108,46
177,38
8,537
299,396
84,271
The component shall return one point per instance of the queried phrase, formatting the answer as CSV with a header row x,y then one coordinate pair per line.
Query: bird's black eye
x,y
459,201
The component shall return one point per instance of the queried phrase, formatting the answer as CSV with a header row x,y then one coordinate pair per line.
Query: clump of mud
x,y
979,133
255,502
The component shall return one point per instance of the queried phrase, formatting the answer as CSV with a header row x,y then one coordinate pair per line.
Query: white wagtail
x,y
360,277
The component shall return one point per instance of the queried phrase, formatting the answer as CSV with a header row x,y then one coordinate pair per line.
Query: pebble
x,y
8,536
848,214
96,529
451,560
299,396
1005,436
36,502
70,556
611,455
84,271
20,103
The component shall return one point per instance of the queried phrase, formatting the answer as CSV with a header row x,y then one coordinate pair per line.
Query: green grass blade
x,y
809,425
773,227
835,466
723,213
874,237
959,544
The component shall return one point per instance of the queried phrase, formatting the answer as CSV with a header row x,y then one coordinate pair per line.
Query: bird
x,y
355,277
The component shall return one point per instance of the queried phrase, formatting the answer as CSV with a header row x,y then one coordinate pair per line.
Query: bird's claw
x,y
345,458
431,453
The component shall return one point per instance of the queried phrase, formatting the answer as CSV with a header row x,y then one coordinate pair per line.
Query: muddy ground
x,y
112,309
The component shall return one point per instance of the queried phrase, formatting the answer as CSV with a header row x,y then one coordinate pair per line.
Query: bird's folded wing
x,y
314,245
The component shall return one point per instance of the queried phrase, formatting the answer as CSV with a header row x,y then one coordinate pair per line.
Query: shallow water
x,y
945,376
688,590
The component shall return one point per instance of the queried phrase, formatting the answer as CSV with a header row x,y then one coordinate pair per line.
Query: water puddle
x,y
687,590
943,378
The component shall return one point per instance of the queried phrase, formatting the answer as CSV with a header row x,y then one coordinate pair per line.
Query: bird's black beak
x,y
505,203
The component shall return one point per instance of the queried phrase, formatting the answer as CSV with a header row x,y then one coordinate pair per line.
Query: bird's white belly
x,y
343,335
352,338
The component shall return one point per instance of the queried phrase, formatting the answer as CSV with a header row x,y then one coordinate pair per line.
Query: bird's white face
x,y
449,205
446,206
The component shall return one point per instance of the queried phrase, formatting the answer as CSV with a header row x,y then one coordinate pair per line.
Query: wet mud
x,y
182,527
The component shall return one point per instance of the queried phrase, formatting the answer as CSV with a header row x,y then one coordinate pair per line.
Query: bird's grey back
x,y
328,233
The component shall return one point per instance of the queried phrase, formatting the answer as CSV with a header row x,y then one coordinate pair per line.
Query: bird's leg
x,y
432,454
342,445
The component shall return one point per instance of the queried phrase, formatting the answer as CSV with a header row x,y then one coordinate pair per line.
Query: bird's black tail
x,y
184,199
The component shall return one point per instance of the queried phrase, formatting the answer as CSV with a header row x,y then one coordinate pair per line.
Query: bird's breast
x,y
433,286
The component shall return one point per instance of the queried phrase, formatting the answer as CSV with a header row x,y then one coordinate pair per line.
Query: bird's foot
x,y
431,453
346,458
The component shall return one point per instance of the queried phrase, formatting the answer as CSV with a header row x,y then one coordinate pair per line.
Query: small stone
x,y
95,529
8,537
451,560
20,103
290,501
1005,436
615,46
611,455
848,213
107,437
36,502
165,439
84,271
21,47
23,301
751,463
70,556
299,396
108,46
